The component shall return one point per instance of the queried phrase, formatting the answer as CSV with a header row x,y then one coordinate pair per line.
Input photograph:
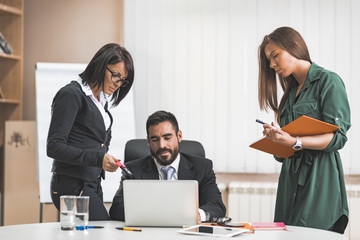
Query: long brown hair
x,y
291,41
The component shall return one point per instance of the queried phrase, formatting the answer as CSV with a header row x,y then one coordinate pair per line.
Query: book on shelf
x,y
4,45
303,126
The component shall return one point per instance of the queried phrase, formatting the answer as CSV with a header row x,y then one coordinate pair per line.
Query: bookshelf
x,y
11,78
11,65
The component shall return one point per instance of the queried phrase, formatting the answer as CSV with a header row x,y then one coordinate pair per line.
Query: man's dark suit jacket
x,y
190,168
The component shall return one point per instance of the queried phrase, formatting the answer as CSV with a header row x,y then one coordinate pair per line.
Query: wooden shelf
x,y
9,101
10,9
11,83
9,56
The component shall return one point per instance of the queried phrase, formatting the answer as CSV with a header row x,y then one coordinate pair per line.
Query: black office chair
x,y
138,148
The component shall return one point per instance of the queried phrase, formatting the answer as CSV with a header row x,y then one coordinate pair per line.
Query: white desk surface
x,y
52,231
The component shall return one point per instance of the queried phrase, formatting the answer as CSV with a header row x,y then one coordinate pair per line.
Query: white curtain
x,y
198,59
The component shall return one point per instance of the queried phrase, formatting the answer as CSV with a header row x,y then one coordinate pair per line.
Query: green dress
x,y
311,190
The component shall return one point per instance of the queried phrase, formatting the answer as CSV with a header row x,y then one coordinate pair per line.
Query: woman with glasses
x,y
80,128
311,189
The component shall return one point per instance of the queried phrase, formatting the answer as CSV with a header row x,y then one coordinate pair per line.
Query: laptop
x,y
161,203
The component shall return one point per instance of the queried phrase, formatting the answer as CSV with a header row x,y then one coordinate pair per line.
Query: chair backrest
x,y
138,148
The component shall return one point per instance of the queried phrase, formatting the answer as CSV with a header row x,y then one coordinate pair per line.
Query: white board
x,y
50,77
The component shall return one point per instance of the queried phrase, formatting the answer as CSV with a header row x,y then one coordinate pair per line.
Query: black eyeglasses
x,y
115,78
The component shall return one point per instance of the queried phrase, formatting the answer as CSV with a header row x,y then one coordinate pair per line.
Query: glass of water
x,y
67,212
82,212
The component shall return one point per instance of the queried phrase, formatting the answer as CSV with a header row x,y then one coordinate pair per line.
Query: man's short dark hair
x,y
159,117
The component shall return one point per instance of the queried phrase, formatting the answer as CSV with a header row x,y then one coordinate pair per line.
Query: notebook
x,y
161,203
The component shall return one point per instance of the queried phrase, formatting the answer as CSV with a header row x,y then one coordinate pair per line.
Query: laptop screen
x,y
161,203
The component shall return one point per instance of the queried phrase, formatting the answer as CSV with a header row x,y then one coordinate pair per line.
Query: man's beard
x,y
164,161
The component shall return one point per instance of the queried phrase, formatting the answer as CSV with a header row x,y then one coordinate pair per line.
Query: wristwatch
x,y
298,144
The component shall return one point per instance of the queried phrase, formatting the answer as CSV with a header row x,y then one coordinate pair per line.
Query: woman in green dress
x,y
311,188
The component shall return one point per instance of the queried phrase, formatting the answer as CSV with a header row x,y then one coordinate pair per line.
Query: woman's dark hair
x,y
94,74
159,117
291,41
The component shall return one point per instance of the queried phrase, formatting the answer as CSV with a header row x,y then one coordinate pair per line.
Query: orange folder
x,y
303,126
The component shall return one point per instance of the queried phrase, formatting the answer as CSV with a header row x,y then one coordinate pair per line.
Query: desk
x,y
51,231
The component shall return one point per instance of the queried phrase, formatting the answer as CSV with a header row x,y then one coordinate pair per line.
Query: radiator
x,y
251,201
353,228
255,202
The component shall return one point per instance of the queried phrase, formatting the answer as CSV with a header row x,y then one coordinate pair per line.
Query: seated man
x,y
163,137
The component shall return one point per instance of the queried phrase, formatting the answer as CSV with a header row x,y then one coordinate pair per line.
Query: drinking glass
x,y
67,212
82,212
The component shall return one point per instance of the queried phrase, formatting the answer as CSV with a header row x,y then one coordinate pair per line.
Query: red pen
x,y
124,169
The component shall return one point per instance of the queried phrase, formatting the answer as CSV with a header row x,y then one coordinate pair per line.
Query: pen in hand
x,y
259,121
127,172
262,122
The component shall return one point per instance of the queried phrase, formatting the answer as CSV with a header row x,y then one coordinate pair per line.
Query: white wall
x,y
198,59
